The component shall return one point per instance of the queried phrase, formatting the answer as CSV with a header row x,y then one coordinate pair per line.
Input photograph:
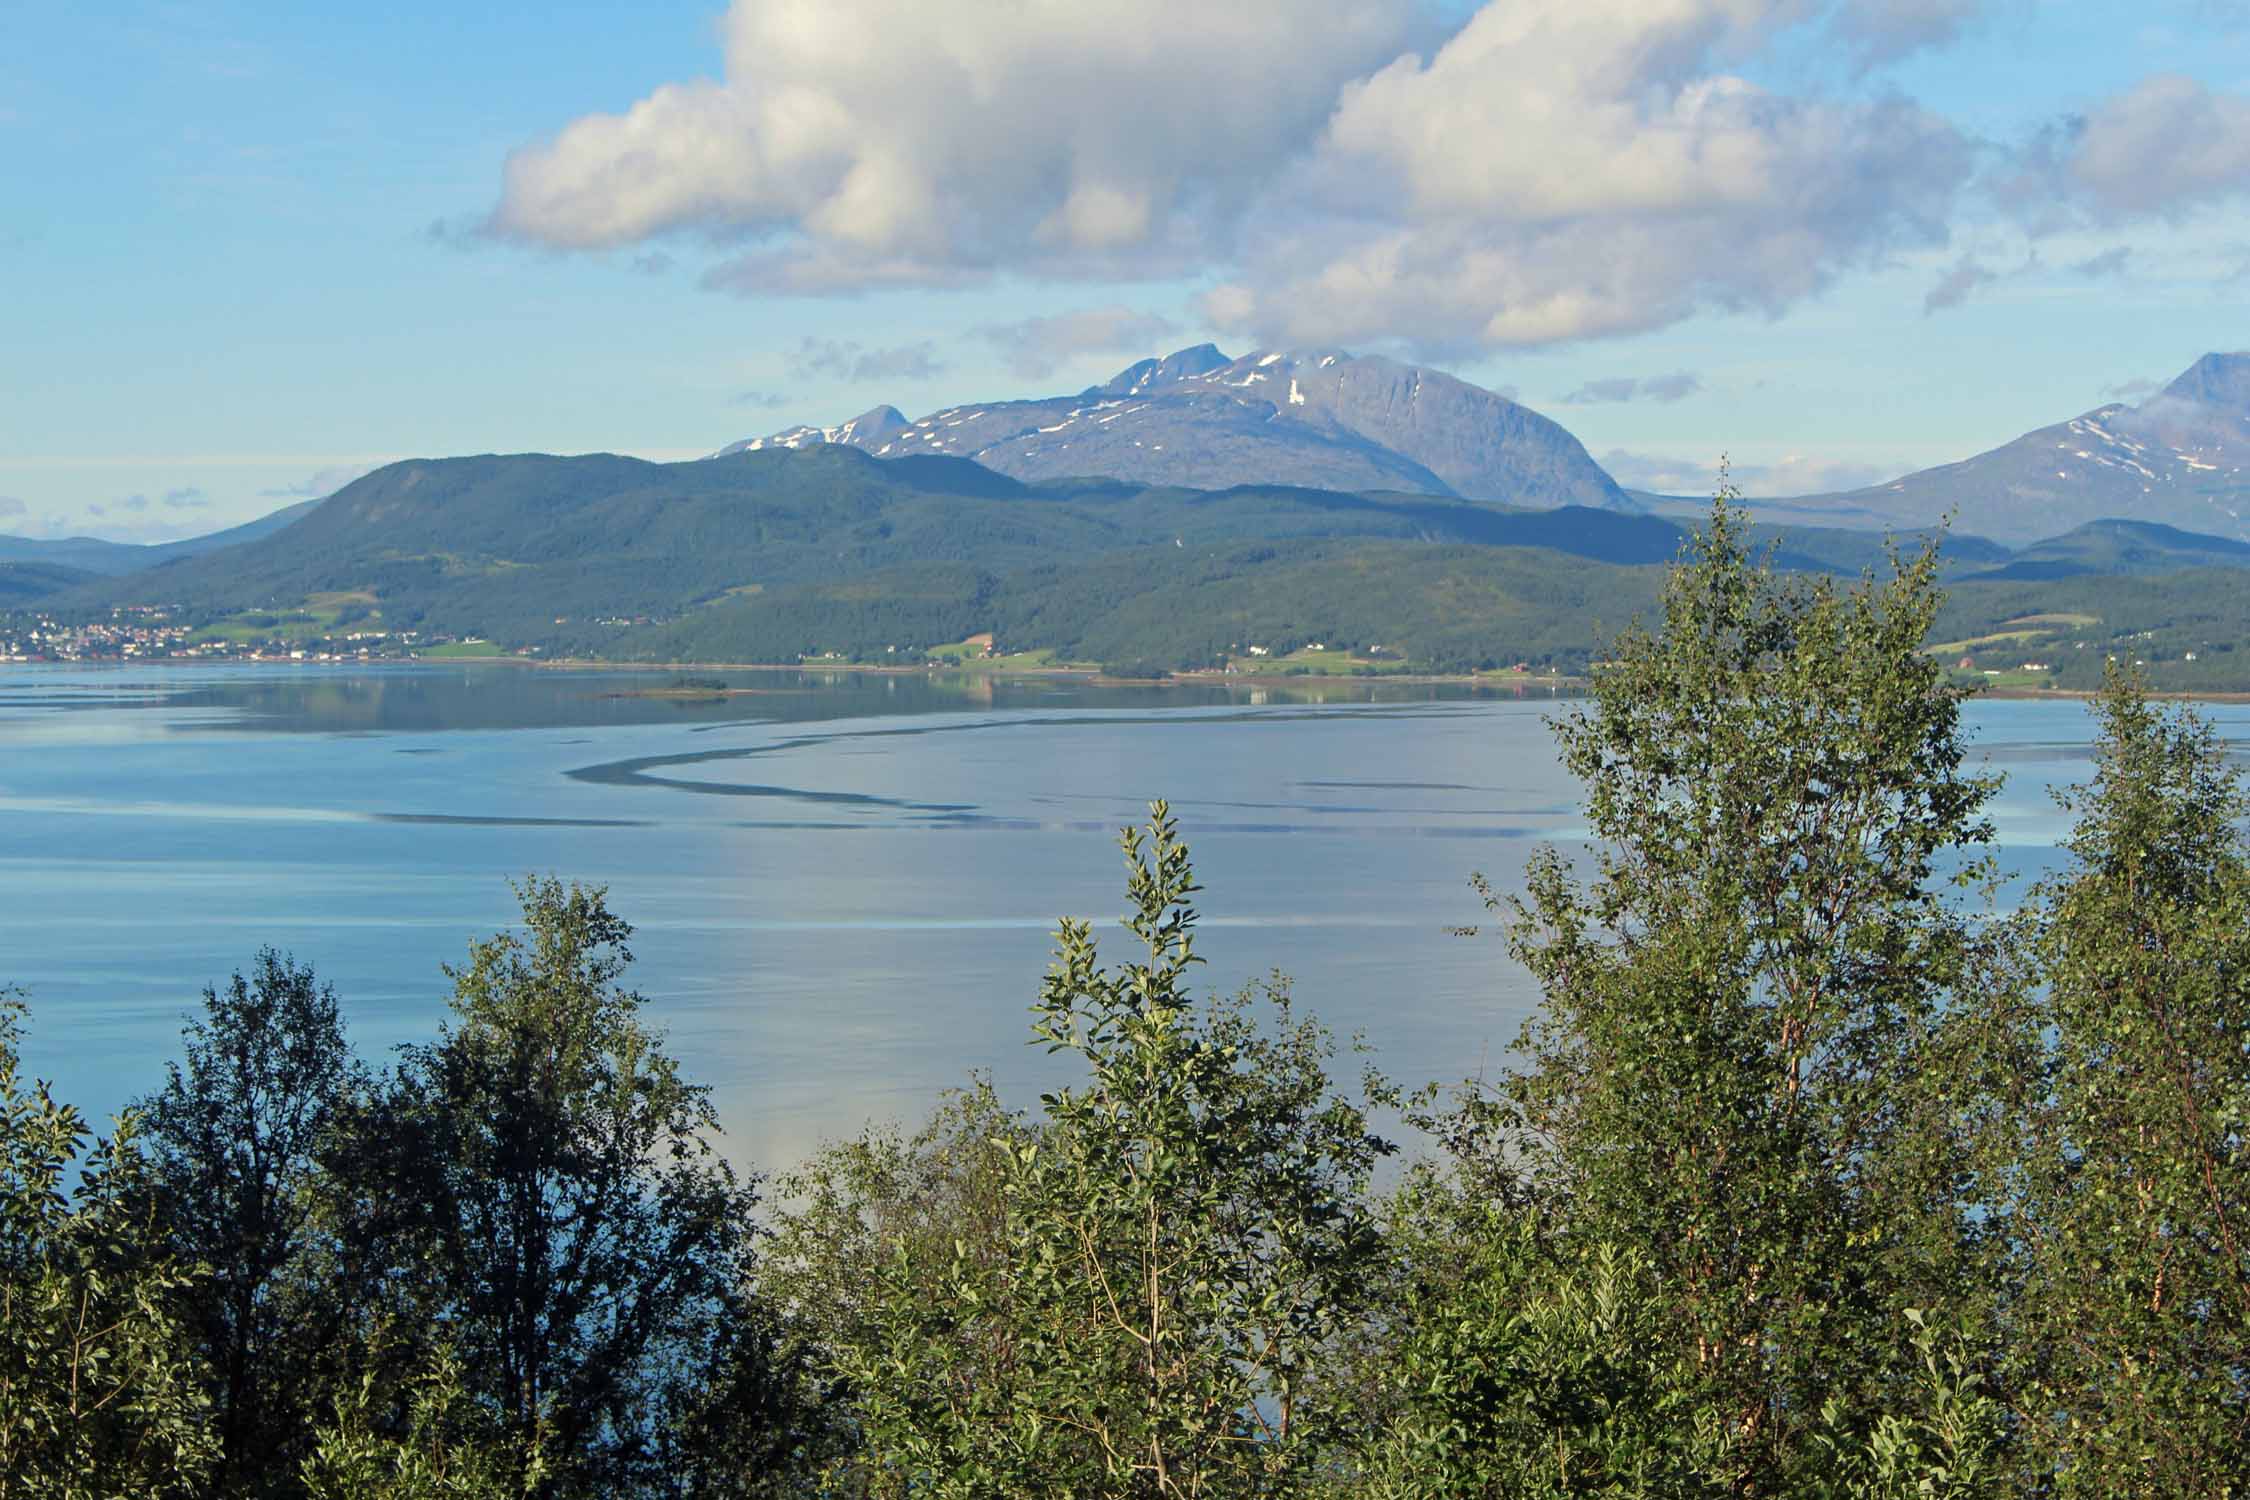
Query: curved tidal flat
x,y
843,886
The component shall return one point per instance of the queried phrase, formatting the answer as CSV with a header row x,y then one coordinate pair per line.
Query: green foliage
x,y
100,1398
1950,1445
448,1447
234,1141
1519,1369
540,1185
2124,1136
1141,1288
1733,1078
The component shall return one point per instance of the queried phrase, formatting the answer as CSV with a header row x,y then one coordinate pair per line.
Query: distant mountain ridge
x,y
2119,549
1321,419
112,559
2180,459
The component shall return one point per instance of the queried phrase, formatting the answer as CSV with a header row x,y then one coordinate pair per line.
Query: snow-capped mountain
x,y
2180,459
1323,418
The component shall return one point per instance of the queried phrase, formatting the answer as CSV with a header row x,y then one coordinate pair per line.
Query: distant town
x,y
148,633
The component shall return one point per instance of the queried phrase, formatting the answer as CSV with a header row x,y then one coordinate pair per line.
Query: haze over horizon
x,y
263,249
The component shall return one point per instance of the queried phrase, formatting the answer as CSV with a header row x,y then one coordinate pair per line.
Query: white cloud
x,y
2167,144
1561,170
1344,171
1038,346
10,506
1791,474
860,142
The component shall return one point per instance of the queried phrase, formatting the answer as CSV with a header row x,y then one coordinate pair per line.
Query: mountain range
x,y
2177,459
1334,420
1324,419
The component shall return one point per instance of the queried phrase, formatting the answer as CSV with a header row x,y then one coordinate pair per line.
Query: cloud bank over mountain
x,y
1526,173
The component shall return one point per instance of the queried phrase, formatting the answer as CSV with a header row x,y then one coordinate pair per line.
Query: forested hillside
x,y
1444,608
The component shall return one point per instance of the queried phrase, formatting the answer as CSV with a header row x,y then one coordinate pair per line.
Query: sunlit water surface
x,y
844,886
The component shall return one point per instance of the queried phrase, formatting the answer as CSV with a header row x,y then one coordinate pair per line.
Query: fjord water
x,y
843,884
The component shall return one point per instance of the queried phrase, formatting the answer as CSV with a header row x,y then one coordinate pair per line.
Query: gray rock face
x,y
1322,418
2180,459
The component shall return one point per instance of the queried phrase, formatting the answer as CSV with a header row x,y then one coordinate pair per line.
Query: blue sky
x,y
250,248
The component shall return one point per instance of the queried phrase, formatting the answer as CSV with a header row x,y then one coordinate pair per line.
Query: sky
x,y
250,250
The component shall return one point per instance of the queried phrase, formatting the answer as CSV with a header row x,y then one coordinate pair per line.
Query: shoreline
x,y
1559,685
1092,675
2085,695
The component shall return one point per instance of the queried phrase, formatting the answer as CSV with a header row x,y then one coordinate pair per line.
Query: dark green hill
x,y
26,582
2117,548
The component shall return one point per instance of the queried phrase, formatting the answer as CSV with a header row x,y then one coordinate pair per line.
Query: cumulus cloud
x,y
10,506
1560,170
843,359
860,142
2132,390
2157,151
1958,284
1792,474
1349,171
1630,388
2165,145
1038,346
760,400
187,498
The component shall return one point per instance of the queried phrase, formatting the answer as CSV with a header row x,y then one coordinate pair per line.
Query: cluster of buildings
x,y
123,637
149,635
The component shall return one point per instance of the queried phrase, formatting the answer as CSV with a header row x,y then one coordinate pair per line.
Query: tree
x,y
234,1140
1734,1079
885,1239
539,1184
100,1398
2128,1130
1179,1244
446,1448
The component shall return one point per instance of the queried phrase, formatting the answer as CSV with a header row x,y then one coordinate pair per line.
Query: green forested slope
x,y
1446,607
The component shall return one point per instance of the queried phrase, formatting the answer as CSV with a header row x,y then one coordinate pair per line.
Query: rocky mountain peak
x,y
2221,380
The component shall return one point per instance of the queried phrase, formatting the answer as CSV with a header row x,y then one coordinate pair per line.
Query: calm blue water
x,y
844,886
